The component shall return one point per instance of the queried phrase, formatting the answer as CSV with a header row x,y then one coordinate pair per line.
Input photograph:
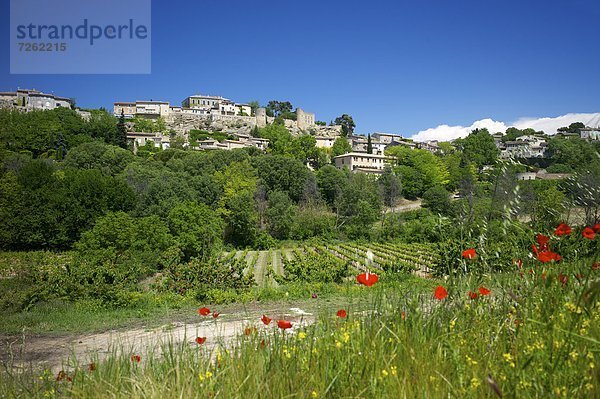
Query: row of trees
x,y
258,197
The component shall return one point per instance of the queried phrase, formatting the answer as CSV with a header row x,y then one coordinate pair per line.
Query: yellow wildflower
x,y
475,382
346,337
509,359
470,361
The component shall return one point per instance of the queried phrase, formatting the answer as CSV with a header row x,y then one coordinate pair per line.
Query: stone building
x,y
33,100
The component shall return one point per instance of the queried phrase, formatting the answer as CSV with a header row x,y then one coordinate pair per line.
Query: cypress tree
x,y
121,132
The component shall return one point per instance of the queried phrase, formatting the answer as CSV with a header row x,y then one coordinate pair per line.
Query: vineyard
x,y
331,262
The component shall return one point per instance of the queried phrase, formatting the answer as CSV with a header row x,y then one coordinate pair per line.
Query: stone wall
x,y
182,123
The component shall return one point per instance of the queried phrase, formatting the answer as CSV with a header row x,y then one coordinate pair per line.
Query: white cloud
x,y
548,125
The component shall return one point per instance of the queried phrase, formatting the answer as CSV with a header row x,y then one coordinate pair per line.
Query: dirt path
x,y
54,352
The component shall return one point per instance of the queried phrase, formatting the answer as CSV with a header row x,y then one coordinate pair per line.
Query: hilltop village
x,y
211,122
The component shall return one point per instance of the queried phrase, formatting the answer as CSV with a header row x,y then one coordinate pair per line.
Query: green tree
x,y
280,139
109,159
574,127
390,187
281,173
358,206
197,229
330,181
121,139
277,108
280,215
369,144
437,199
347,124
340,147
428,170
479,147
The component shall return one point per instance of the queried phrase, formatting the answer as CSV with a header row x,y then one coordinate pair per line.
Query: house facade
x,y
362,162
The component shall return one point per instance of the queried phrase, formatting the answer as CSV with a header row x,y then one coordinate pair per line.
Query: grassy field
x,y
536,334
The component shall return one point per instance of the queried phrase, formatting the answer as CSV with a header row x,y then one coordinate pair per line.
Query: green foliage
x,y
198,230
111,258
280,173
419,170
201,278
390,186
42,207
512,133
416,227
279,137
280,215
573,153
479,147
347,124
359,205
437,200
146,125
111,160
313,220
572,128
196,135
121,137
340,146
278,108
331,180
309,266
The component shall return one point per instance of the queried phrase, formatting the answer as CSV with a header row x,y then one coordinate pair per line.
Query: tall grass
x,y
535,336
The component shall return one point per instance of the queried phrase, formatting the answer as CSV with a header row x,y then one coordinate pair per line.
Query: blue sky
x,y
395,66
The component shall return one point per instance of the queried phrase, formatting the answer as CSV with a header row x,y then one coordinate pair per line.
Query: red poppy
x,y
518,262
266,320
341,313
249,330
473,295
440,293
215,314
548,256
484,291
469,253
204,311
588,233
563,229
596,228
284,324
535,249
543,276
92,367
263,343
403,315
61,375
200,340
596,266
367,279
136,358
542,239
